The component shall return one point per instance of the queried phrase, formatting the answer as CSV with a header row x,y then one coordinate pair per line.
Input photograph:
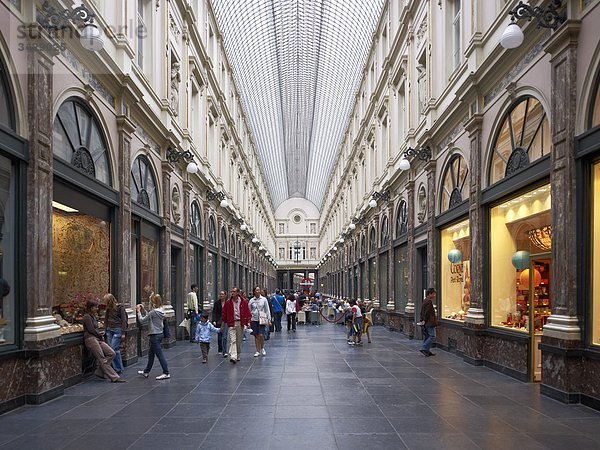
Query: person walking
x,y
192,309
203,331
155,321
357,322
290,310
92,338
236,315
429,322
217,314
278,307
115,324
261,317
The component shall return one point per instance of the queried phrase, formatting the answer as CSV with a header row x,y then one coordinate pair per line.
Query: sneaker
x,y
359,343
233,361
204,361
430,354
164,376
351,343
119,380
142,373
257,354
244,338
225,355
425,352
218,353
264,352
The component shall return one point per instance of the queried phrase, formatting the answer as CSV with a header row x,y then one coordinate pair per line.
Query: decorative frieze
x,y
84,73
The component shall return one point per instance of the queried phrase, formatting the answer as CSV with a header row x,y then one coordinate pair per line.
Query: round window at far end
x,y
297,218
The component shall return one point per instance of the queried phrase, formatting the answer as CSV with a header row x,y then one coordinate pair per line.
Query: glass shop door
x,y
539,306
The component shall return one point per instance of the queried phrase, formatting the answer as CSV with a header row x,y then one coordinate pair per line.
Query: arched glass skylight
x,y
298,65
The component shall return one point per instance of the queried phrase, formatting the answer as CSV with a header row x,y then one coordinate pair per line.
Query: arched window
x,y
196,220
453,187
372,240
223,240
232,245
212,231
239,250
78,139
401,218
356,254
524,136
363,246
143,184
385,232
7,110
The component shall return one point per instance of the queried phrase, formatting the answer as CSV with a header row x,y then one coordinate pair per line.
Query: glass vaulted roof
x,y
298,65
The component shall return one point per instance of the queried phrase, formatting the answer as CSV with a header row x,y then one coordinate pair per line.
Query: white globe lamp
x,y
512,36
224,203
373,203
404,164
192,168
243,227
352,226
91,38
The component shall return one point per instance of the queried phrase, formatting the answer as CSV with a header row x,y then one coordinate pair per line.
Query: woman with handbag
x,y
217,316
261,318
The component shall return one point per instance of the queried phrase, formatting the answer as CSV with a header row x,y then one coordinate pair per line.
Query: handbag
x,y
262,318
190,313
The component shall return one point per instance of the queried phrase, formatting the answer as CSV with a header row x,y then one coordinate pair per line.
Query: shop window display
x,y
520,244
80,264
148,267
595,275
455,271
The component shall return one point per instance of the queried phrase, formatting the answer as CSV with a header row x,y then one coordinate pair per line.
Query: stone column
x,y
409,310
475,320
187,206
41,331
391,303
562,333
123,289
475,315
166,252
432,262
375,291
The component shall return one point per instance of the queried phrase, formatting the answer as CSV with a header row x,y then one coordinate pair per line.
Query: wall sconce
x,y
385,196
356,221
53,20
424,154
173,156
241,223
254,240
548,17
217,196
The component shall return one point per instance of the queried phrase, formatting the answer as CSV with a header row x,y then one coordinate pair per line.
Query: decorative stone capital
x,y
41,328
475,316
410,307
562,327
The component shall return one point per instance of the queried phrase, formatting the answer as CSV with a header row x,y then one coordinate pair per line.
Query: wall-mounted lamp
x,y
53,20
356,221
241,223
254,240
547,17
173,156
424,154
385,196
217,196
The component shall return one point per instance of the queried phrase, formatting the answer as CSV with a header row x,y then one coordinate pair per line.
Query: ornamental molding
x,y
421,31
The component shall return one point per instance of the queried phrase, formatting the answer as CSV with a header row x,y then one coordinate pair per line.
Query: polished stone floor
x,y
311,389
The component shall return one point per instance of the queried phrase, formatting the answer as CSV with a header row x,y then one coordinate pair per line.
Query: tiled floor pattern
x,y
311,390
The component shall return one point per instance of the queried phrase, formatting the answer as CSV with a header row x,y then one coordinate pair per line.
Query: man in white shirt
x,y
191,304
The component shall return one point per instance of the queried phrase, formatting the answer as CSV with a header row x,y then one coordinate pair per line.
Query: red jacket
x,y
245,314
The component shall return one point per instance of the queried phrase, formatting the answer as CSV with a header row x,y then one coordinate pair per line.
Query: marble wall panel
x,y
506,353
450,338
14,383
590,378
130,352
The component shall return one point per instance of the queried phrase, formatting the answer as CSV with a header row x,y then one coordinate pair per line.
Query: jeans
x,y
429,335
113,338
156,349
222,340
277,321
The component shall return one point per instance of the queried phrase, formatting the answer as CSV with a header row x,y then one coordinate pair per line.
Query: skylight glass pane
x,y
297,65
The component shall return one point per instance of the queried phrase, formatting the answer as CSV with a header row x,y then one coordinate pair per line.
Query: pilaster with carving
x,y
166,250
432,262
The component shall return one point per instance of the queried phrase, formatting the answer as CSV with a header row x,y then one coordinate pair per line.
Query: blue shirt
x,y
278,302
